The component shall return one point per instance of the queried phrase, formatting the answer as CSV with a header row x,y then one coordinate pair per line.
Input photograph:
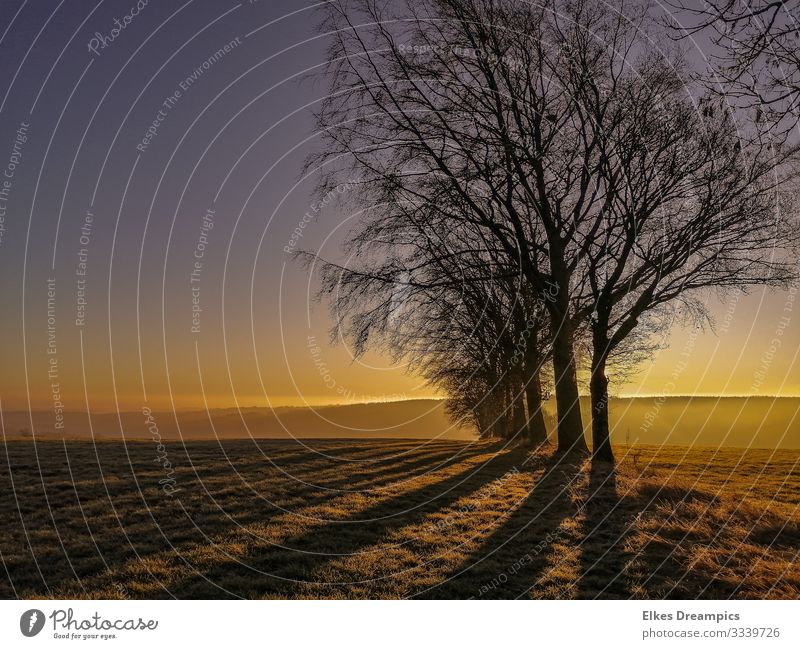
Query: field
x,y
394,519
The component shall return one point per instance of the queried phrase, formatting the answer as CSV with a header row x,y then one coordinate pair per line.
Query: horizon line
x,y
653,395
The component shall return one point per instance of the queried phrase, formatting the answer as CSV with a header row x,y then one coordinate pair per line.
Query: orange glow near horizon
x,y
746,357
743,359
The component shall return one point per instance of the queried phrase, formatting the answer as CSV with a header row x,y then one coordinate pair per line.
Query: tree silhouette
x,y
755,62
553,145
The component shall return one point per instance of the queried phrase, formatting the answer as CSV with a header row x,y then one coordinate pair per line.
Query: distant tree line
x,y
543,190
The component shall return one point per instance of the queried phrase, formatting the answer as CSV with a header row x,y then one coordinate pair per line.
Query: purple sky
x,y
232,141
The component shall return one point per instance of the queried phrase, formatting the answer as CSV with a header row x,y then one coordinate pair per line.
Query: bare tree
x,y
446,95
507,346
554,143
472,333
678,201
755,61
687,207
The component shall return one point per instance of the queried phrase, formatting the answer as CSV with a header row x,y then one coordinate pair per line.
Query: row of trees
x,y
540,191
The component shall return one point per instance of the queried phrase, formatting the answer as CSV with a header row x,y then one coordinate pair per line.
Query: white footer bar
x,y
399,624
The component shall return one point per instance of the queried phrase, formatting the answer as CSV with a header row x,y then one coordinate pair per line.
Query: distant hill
x,y
419,418
761,422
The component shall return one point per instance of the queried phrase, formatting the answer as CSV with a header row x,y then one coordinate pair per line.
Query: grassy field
x,y
394,518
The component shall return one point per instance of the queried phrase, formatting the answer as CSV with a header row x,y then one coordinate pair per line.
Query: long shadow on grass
x,y
266,570
509,563
285,458
200,518
237,507
606,525
677,522
659,568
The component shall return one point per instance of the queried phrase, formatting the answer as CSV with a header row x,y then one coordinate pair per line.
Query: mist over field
x,y
746,422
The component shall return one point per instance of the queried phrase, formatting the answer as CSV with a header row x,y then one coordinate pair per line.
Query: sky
x,y
151,186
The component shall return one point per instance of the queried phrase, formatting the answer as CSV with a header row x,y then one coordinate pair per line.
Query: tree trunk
x,y
508,411
531,366
537,431
570,423
497,426
517,411
482,422
598,386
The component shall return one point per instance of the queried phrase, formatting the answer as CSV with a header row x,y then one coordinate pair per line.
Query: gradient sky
x,y
233,141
